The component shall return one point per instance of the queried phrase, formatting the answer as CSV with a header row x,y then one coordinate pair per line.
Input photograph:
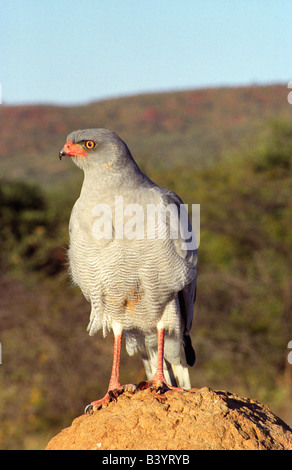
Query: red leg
x,y
115,375
158,381
114,384
159,376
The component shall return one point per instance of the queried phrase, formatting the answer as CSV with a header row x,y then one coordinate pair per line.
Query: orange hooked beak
x,y
72,150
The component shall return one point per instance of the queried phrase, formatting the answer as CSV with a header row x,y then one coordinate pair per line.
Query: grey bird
x,y
141,287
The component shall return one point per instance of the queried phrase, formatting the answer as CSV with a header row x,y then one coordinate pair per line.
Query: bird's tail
x,y
176,375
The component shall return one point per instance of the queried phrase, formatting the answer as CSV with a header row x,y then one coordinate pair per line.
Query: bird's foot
x,y
109,396
160,385
97,404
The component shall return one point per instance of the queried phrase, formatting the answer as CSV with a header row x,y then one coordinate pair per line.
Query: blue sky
x,y
76,51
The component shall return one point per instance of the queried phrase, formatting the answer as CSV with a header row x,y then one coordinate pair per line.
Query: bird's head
x,y
96,149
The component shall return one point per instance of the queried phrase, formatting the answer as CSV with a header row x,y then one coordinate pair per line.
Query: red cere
x,y
74,149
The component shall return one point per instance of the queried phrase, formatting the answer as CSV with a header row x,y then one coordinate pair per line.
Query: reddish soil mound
x,y
197,419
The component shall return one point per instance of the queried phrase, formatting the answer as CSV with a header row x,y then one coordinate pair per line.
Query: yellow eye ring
x,y
89,144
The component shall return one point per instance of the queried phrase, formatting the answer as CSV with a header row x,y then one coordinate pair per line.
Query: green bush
x,y
28,224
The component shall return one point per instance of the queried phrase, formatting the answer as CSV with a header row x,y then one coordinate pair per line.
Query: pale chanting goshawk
x,y
142,288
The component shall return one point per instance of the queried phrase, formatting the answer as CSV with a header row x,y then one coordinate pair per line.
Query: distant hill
x,y
163,130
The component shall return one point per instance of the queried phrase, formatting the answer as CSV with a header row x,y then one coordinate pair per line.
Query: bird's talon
x,y
141,385
113,394
88,409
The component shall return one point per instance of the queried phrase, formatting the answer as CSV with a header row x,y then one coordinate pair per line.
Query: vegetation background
x,y
228,149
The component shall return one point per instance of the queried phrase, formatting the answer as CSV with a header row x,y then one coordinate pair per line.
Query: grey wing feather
x,y
184,242
185,247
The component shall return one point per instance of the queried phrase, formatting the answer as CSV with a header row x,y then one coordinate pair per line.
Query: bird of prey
x,y
140,287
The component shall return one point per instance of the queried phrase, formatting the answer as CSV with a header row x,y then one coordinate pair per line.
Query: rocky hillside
x,y
162,130
198,419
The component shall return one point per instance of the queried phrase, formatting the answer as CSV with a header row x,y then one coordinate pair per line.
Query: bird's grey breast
x,y
139,275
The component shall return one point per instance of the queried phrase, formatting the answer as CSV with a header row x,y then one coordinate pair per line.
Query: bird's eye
x,y
89,144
